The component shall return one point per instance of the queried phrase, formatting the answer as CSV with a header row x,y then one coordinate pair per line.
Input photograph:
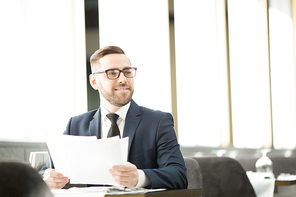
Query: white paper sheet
x,y
81,192
87,160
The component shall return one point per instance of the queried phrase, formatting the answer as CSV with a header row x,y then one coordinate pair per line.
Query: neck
x,y
108,106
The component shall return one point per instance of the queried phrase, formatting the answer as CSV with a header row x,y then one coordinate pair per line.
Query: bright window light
x,y
199,115
249,71
141,29
282,74
43,70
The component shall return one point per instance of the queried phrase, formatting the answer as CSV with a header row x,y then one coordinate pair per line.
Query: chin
x,y
118,103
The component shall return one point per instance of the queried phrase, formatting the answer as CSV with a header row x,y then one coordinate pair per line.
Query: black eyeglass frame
x,y
120,71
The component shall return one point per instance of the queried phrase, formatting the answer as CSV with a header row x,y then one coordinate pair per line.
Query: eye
x,y
127,72
112,72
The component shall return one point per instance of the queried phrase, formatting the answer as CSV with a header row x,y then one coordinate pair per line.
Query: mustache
x,y
123,85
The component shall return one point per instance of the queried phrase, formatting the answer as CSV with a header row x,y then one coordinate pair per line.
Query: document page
x,y
86,159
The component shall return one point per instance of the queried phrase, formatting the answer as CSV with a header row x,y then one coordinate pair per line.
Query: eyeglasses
x,y
114,73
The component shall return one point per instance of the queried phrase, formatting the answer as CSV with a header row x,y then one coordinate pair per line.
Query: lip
x,y
122,89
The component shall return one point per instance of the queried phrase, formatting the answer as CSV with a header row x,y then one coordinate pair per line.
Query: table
x,y
101,192
284,182
166,193
285,188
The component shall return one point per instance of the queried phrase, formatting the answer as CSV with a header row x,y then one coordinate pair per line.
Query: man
x,y
155,160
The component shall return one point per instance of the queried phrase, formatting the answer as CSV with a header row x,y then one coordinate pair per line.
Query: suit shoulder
x,y
85,116
79,125
149,110
154,113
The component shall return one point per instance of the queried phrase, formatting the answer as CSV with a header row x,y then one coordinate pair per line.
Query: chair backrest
x,y
20,180
194,175
224,176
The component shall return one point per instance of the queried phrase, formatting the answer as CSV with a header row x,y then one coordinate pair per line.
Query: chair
x,y
224,176
194,175
20,180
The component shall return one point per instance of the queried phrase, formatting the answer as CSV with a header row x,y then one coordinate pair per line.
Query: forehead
x,y
119,61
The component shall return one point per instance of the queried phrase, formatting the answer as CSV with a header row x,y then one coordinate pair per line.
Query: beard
x,y
117,100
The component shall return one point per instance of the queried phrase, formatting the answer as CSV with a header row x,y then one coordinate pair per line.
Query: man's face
x,y
117,92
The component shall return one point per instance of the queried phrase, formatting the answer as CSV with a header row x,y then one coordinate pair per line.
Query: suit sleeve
x,y
171,171
67,131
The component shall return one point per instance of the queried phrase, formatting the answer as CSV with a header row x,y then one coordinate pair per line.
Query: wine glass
x,y
41,162
264,164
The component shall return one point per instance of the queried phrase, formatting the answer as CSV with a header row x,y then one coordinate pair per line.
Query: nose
x,y
121,78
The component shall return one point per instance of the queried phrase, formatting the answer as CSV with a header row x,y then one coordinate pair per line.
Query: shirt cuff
x,y
143,179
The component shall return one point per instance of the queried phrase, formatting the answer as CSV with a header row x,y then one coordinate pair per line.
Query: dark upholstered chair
x,y
224,177
20,180
194,175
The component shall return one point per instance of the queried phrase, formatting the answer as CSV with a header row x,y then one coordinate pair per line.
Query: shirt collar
x,y
121,112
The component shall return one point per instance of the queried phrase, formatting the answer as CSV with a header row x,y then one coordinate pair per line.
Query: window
x,y
282,73
43,70
249,74
140,28
200,104
235,67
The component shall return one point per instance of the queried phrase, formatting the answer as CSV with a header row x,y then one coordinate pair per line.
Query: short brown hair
x,y
98,54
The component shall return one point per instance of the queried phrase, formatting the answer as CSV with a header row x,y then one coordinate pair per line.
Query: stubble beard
x,y
115,100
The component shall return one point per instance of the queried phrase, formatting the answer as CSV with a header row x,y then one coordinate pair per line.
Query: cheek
x,y
131,83
106,85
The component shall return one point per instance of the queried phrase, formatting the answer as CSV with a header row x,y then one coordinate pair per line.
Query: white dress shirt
x,y
105,126
106,123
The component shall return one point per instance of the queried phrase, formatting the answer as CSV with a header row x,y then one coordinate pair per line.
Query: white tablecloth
x,y
97,191
264,187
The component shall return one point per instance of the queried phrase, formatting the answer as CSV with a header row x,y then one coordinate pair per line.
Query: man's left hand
x,y
126,175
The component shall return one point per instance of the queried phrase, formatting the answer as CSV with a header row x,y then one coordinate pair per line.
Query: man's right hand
x,y
56,180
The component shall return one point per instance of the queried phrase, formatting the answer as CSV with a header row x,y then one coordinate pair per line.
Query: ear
x,y
93,82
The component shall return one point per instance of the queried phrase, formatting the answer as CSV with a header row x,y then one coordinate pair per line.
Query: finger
x,y
55,183
128,170
125,174
126,183
56,174
126,177
124,168
58,180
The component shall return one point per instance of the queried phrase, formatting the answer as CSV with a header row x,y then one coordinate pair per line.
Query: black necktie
x,y
114,130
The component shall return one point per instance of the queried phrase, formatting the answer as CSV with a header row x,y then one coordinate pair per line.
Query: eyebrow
x,y
118,68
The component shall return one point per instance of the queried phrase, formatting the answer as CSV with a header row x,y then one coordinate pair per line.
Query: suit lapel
x,y
132,121
95,124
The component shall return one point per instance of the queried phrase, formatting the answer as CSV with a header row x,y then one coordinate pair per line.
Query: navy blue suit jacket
x,y
153,145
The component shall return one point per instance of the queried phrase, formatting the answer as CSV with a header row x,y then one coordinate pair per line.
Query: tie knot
x,y
113,118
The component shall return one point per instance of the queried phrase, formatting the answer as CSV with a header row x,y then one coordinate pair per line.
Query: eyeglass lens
x,y
114,73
